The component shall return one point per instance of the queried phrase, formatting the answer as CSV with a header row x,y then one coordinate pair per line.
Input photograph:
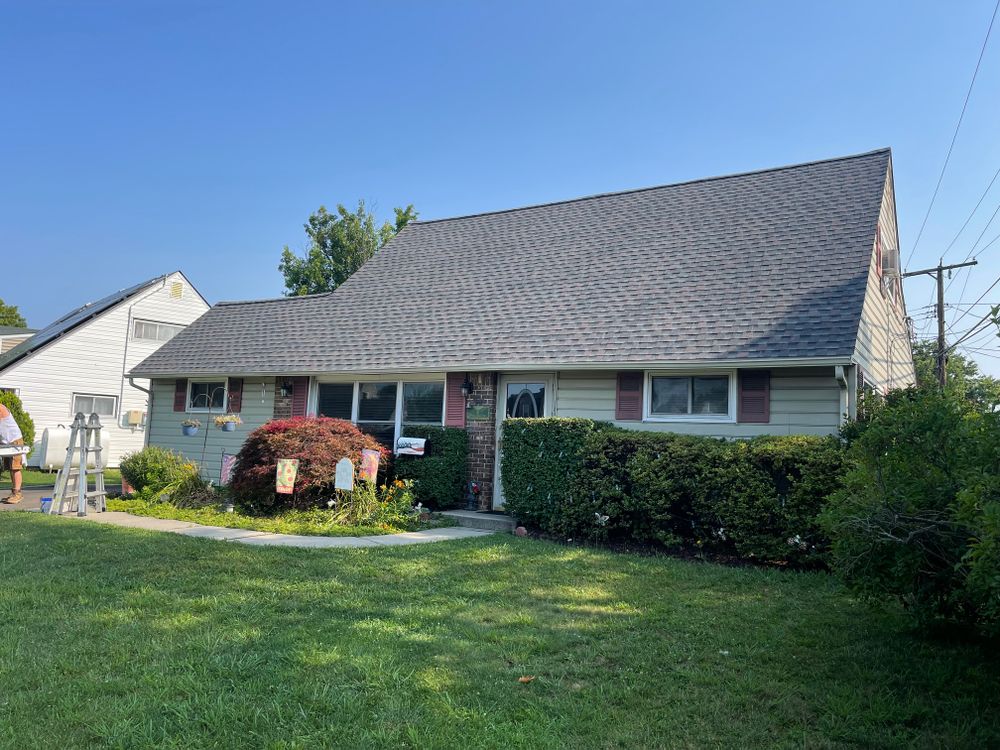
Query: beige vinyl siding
x,y
165,425
93,358
883,345
9,342
804,401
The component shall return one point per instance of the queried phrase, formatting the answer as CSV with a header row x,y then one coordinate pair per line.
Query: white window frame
x,y
647,397
207,409
74,410
357,380
179,326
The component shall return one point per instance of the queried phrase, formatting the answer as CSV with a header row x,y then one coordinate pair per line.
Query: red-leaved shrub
x,y
317,442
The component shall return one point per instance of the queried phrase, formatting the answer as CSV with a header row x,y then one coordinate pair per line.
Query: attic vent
x,y
177,290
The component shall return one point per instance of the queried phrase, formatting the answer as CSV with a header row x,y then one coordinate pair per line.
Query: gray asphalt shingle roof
x,y
763,265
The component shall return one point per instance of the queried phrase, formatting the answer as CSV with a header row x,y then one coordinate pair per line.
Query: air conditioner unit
x,y
135,417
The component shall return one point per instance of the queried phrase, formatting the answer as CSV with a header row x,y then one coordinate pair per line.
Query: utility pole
x,y
938,273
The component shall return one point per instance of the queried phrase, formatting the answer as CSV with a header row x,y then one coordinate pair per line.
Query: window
x,y
207,395
104,406
149,331
423,403
383,409
691,396
377,411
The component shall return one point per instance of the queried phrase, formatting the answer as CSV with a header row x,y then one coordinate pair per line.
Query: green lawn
x,y
38,478
122,638
316,522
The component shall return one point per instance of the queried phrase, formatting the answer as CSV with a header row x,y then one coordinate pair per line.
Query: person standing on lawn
x,y
10,434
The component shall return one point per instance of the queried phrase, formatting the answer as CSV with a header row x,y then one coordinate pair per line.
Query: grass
x,y
123,638
39,478
307,522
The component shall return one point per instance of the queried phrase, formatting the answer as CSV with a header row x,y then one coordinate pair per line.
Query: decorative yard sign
x,y
344,479
369,465
226,473
288,469
410,446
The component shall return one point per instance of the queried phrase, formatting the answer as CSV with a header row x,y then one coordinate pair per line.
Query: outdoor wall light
x,y
467,387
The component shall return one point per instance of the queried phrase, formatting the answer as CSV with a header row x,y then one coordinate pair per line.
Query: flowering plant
x,y
191,423
227,418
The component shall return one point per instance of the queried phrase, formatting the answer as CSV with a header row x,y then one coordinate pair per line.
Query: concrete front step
x,y
473,519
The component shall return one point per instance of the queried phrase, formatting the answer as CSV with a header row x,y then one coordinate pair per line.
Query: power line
x,y
978,204
954,137
955,322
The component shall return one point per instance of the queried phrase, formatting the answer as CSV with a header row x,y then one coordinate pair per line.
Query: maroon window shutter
x,y
300,396
754,398
454,401
180,394
628,396
235,395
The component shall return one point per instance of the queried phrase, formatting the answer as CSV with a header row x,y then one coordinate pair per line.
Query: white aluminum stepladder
x,y
84,441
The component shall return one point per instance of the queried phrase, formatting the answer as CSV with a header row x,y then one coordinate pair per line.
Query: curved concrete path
x,y
244,536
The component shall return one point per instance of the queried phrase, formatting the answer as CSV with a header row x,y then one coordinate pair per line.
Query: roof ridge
x,y
265,300
799,165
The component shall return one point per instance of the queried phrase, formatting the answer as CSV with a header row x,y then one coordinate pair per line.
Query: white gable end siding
x,y
804,401
165,425
883,345
93,358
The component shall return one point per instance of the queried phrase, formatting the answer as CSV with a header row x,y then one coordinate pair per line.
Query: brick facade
x,y
282,404
482,434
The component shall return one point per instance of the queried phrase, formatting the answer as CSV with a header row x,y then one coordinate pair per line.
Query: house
x,y
733,306
11,336
80,361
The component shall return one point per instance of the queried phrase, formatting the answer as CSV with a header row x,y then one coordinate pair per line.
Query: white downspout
x,y
840,372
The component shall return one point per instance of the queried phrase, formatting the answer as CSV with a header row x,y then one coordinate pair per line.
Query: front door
x,y
519,396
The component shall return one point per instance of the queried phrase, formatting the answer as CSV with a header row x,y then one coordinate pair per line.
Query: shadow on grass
x,y
130,638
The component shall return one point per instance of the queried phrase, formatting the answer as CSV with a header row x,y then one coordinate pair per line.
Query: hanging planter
x,y
228,422
190,427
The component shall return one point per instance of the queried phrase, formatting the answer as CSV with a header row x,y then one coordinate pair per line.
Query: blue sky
x,y
141,137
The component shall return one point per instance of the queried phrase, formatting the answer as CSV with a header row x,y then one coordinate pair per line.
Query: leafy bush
x,y
539,460
153,469
440,475
754,499
390,504
13,402
918,517
317,442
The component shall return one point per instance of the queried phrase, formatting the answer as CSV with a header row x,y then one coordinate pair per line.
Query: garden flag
x,y
228,461
369,465
288,468
345,475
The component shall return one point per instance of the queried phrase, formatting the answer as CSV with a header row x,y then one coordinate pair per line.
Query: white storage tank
x,y
51,454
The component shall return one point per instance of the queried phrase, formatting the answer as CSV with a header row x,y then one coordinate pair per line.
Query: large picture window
x,y
706,396
383,409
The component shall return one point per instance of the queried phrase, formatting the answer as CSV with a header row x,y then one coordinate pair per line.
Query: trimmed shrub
x,y
918,517
755,499
317,442
539,460
153,469
439,476
13,402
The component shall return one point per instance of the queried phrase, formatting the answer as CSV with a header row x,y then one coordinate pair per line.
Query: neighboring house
x,y
11,336
78,363
732,306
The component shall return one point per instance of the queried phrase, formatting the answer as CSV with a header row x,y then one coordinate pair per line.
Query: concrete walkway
x,y
244,536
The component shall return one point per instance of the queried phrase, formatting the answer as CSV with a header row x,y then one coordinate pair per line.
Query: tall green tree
x,y
339,243
963,376
10,316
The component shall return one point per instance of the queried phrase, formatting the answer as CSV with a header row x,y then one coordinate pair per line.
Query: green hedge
x,y
755,499
440,474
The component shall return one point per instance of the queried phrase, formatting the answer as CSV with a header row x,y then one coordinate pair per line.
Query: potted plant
x,y
190,427
228,422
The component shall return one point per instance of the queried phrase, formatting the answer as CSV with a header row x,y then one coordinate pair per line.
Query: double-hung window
x,y
207,395
377,411
707,396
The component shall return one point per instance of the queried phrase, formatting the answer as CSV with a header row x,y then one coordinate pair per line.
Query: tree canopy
x,y
963,376
339,243
11,316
